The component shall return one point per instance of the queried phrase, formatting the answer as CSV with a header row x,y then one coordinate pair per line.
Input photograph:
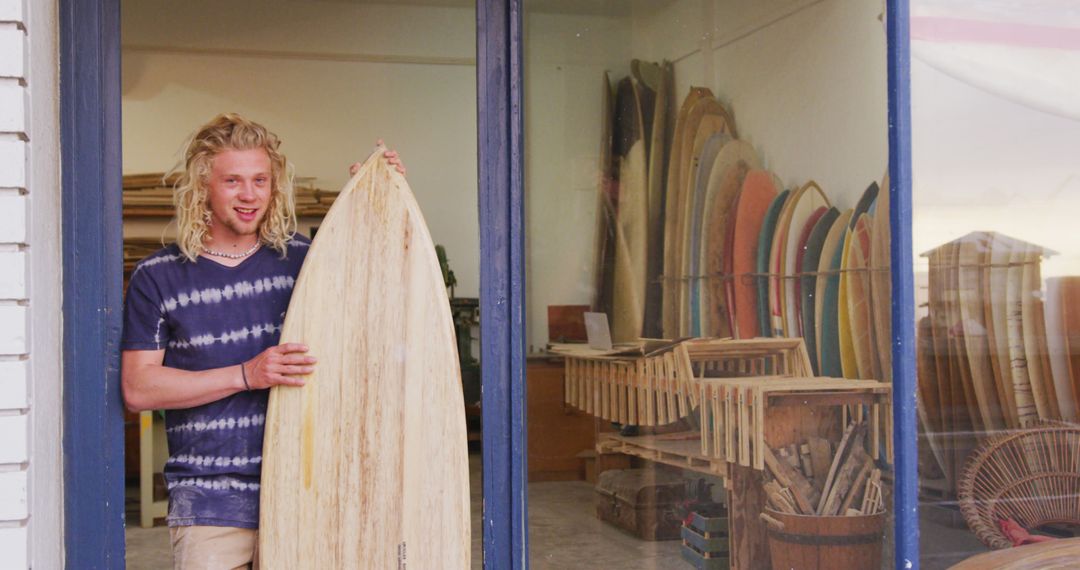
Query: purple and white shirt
x,y
206,315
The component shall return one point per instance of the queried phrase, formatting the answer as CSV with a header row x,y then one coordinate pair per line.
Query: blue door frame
x,y
90,155
92,269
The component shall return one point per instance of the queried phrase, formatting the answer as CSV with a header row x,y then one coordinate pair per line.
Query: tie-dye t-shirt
x,y
206,315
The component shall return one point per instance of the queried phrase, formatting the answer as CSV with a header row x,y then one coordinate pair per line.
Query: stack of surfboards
x,y
633,158
992,353
734,254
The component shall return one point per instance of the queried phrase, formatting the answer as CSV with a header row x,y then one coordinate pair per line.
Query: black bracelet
x,y
243,374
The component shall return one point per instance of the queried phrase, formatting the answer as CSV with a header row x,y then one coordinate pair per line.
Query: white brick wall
x,y
15,425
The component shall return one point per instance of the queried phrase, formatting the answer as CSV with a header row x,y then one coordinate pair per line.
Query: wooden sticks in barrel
x,y
851,479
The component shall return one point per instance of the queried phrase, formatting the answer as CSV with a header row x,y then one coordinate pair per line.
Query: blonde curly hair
x,y
230,131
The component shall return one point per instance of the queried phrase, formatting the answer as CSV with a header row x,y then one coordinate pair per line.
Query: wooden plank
x,y
788,477
820,459
777,498
357,443
746,502
873,488
837,461
804,461
841,483
857,486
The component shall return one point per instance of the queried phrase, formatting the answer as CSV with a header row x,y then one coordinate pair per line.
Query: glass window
x,y
708,284
329,78
996,187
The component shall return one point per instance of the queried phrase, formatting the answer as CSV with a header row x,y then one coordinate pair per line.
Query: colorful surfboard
x,y
764,256
829,293
729,171
815,243
673,210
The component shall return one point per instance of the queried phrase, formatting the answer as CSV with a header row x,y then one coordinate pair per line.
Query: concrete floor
x,y
565,533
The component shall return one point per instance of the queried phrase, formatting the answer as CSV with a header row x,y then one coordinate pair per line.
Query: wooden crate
x,y
661,387
736,413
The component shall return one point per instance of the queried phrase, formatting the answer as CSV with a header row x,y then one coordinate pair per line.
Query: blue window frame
x,y
92,245
905,443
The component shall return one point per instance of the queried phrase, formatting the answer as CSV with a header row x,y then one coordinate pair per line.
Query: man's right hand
x,y
282,364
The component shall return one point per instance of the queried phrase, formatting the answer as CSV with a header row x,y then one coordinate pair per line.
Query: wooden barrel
x,y
824,543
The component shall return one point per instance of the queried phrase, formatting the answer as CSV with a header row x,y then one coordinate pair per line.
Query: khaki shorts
x,y
214,548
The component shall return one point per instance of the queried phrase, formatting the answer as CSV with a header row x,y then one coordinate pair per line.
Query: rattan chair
x,y
1031,476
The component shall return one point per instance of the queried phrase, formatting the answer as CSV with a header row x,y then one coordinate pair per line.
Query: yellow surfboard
x,y
847,343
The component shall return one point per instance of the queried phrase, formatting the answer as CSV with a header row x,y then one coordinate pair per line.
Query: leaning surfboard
x,y
348,458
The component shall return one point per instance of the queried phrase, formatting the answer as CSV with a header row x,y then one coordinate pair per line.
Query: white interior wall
x,y
329,78
984,163
565,57
805,79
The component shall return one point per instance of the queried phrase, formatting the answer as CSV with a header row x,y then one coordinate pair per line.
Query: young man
x,y
201,327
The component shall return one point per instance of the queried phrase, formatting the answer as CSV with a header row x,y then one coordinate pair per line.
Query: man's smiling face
x,y
239,187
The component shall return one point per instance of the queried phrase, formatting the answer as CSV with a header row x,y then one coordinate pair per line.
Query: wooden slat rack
x,y
735,411
678,449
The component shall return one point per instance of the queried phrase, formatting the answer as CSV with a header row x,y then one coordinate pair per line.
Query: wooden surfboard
x,y
973,322
929,406
995,283
955,332
808,291
764,256
709,118
1070,316
672,211
1039,315
825,309
729,170
881,279
952,413
348,458
1059,352
632,227
727,264
660,77
858,299
604,257
829,293
1023,391
705,118
695,214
